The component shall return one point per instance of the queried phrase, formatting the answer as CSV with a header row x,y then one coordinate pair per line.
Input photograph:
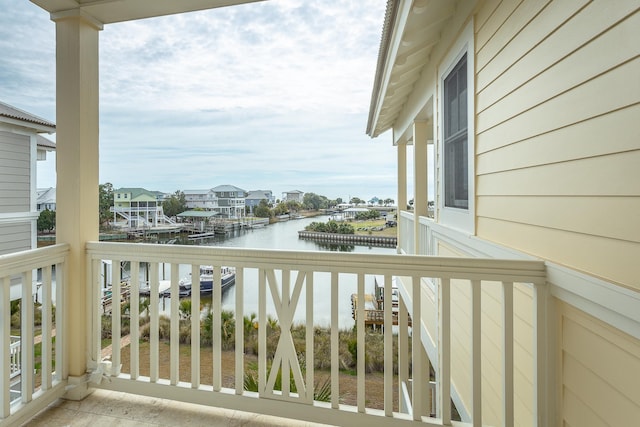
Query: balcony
x,y
288,288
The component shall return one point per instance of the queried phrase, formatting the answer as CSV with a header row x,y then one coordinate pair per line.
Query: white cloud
x,y
264,95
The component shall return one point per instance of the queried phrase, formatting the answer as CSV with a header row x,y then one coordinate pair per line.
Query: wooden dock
x,y
373,311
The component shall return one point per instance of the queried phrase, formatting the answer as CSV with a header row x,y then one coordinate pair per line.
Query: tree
x,y
356,201
315,201
47,220
105,202
388,202
262,210
175,204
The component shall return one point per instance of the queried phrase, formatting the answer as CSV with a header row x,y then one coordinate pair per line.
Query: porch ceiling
x,y
111,11
411,31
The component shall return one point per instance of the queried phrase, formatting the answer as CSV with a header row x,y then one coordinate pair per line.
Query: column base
x,y
78,388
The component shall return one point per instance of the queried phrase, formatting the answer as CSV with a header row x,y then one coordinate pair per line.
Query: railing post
x,y
403,352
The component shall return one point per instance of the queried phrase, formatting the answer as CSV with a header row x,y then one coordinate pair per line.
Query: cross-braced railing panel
x,y
181,352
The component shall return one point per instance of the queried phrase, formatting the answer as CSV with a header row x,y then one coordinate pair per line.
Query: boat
x,y
206,280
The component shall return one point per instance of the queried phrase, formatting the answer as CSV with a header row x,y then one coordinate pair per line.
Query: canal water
x,y
284,235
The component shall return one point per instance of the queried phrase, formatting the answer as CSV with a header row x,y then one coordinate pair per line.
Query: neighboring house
x,y
20,148
46,199
139,208
293,195
230,200
202,199
532,108
254,197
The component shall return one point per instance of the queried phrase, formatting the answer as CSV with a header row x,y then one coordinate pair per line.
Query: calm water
x,y
284,235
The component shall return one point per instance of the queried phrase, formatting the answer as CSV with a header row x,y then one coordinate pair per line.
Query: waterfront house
x,y
139,208
230,201
532,109
293,196
202,199
565,332
46,199
21,146
254,197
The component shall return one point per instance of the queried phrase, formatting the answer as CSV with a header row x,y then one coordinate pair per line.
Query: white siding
x,y
15,237
15,173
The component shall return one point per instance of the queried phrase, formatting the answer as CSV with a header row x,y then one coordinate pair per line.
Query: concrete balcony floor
x,y
116,409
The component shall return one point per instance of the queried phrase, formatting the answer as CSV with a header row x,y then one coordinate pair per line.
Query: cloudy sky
x,y
270,95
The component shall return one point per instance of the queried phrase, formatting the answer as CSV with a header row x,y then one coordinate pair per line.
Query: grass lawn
x,y
348,382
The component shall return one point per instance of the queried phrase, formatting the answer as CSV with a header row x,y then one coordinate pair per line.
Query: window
x,y
456,173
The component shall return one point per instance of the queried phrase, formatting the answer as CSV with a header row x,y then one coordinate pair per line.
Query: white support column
x,y
402,187
77,174
420,196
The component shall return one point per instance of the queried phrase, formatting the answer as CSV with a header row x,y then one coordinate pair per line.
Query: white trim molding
x,y
462,219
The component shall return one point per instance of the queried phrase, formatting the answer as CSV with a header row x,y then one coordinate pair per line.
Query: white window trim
x,y
460,219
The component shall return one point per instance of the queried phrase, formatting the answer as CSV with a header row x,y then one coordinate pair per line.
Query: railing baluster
x,y
46,329
417,352
61,274
444,332
285,310
239,356
262,331
388,347
403,353
5,346
174,345
154,326
335,355
26,336
216,305
361,344
95,314
507,354
476,351
134,319
116,324
539,352
309,338
195,326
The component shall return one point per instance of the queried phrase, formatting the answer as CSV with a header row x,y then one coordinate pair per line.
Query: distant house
x,y
138,208
201,199
46,199
293,195
21,147
231,200
254,197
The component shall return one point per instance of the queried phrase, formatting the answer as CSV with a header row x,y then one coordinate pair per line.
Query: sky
x,y
271,95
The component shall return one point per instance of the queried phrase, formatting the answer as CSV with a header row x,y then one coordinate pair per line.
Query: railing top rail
x,y
529,271
18,262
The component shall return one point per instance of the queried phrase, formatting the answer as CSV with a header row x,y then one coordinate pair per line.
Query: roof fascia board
x,y
113,11
397,32
30,126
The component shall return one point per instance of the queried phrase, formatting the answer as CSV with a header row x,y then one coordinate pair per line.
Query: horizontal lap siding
x,y
15,160
557,132
599,387
15,237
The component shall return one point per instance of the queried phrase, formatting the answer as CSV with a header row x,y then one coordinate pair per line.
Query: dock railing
x,y
288,286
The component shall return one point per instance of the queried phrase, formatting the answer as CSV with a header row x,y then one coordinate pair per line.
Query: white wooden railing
x,y
280,279
15,357
18,274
